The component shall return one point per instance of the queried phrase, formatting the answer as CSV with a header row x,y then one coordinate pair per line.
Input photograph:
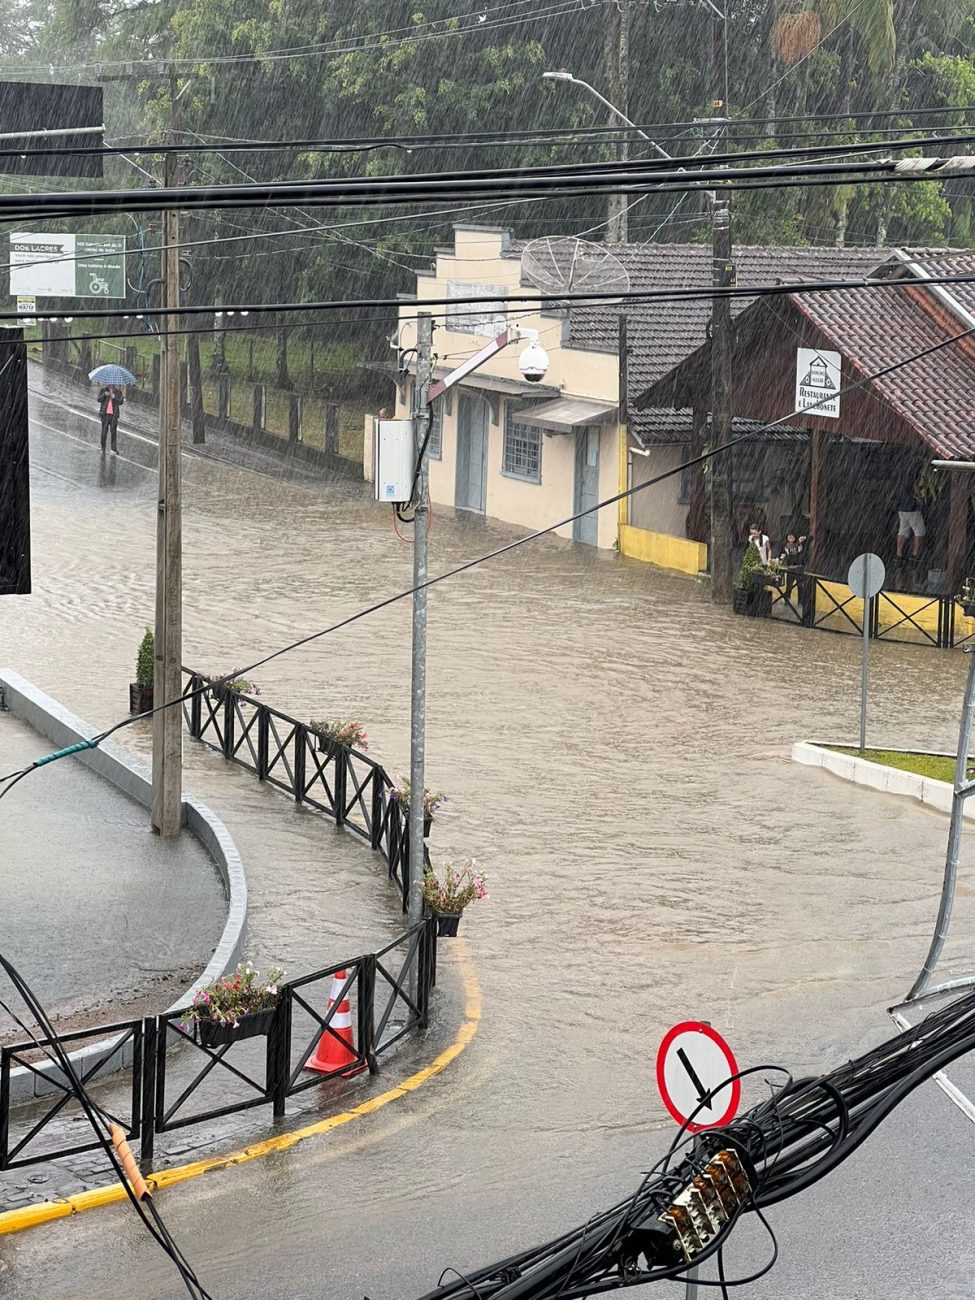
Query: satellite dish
x,y
563,264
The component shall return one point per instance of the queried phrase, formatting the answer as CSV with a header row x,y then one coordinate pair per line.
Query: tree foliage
x,y
801,71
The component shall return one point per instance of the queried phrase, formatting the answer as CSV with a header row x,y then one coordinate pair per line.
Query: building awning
x,y
568,413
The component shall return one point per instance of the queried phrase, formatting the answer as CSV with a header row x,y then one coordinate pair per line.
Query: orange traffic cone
x,y
336,1048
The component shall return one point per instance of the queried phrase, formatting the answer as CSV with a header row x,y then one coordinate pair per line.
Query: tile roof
x,y
661,334
935,394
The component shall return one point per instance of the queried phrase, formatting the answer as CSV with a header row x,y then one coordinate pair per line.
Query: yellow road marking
x,y
32,1215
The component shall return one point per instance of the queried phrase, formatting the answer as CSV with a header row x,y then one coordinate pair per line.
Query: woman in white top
x,y
760,539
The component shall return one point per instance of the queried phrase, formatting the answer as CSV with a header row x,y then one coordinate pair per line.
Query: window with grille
x,y
435,445
522,456
487,318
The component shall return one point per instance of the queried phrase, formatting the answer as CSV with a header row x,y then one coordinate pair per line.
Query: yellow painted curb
x,y
31,1216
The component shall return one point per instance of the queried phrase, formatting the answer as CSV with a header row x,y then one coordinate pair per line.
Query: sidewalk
x,y
102,918
139,435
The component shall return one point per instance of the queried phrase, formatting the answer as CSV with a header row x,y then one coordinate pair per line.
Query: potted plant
x,y
431,802
351,735
751,595
966,597
140,691
220,685
237,1006
449,893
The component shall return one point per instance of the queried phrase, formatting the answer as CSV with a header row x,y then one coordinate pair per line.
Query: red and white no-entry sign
x,y
693,1061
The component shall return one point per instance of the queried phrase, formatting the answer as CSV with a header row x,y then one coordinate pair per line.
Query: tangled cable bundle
x,y
686,1207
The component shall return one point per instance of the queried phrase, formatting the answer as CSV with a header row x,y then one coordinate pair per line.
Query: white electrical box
x,y
395,460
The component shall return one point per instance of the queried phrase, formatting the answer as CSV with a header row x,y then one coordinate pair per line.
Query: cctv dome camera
x,y
533,363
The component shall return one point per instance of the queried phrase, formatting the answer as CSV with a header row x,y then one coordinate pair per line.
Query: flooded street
x,y
616,757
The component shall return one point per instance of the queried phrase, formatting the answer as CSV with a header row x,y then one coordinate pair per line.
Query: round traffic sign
x,y
693,1061
866,575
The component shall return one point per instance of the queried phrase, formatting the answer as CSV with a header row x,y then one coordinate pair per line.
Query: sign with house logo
x,y
818,382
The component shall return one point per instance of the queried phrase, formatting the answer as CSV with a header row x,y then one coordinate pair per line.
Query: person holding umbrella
x,y
110,399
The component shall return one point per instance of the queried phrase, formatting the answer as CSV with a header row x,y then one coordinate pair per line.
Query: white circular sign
x,y
866,575
693,1061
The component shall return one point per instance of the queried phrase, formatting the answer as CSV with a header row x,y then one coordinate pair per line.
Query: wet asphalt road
x,y
617,759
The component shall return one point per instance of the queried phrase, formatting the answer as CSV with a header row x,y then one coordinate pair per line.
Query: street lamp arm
x,y
577,81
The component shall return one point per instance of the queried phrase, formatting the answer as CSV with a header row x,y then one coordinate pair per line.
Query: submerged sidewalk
x,y
103,918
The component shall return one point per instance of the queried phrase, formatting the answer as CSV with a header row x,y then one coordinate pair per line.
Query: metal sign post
x,y
865,579
697,1075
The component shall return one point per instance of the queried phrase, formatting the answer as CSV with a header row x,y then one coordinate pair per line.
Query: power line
x,y
505,549
530,301
352,45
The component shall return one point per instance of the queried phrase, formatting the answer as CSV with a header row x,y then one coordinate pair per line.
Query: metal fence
x,y
389,992
175,1079
816,602
337,780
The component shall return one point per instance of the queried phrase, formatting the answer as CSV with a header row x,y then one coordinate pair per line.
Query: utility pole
x,y
616,56
723,276
167,725
418,704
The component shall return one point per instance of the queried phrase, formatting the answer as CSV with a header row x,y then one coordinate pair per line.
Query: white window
x,y
435,445
522,456
469,317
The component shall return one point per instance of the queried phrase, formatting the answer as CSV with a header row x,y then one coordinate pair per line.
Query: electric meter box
x,y
395,460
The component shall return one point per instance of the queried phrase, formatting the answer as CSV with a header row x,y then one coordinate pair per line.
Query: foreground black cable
x,y
113,1145
683,1216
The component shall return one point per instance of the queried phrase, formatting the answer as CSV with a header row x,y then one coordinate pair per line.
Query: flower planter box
x,y
447,923
968,608
427,826
754,603
140,698
255,1023
326,745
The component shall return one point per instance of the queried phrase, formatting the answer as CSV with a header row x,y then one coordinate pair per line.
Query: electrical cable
x,y
521,302
567,179
504,549
118,1159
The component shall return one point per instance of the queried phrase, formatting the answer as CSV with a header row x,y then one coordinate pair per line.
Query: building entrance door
x,y
472,439
587,484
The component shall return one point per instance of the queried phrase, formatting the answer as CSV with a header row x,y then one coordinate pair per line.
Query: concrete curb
x,y
131,776
889,780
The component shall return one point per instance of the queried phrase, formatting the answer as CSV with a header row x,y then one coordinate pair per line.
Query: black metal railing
x,y
386,993
334,1023
337,780
816,602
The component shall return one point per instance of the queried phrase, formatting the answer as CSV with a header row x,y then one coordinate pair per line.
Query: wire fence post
x,y
341,760
377,809
366,1008
228,723
301,745
279,1053
147,1109
263,728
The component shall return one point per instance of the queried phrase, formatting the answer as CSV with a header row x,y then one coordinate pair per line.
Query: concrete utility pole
x,y
418,704
616,58
167,725
723,275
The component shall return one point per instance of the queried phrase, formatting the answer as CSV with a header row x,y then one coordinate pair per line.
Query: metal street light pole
x,y
418,704
617,225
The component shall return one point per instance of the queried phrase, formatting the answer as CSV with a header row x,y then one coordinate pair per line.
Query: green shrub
x,y
145,666
752,560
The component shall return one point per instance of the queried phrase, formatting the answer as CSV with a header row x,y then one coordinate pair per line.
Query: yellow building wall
x,y
663,550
